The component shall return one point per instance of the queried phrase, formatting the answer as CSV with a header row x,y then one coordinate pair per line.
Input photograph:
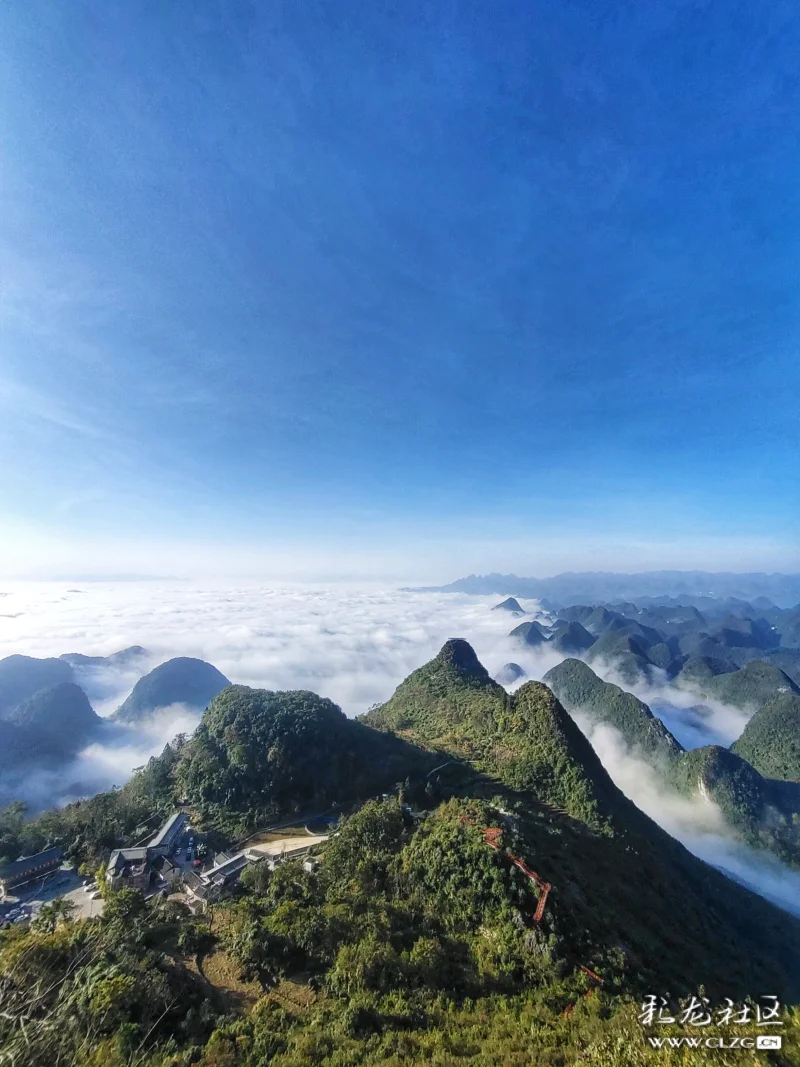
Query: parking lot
x,y
64,882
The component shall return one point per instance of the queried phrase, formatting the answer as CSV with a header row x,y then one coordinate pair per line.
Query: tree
x,y
58,910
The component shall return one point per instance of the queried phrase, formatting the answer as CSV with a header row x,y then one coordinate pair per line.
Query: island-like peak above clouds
x,y
126,657
22,676
182,680
63,707
511,605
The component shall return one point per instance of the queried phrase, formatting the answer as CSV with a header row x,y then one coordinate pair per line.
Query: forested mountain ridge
x,y
598,586
260,754
771,740
579,689
765,813
412,924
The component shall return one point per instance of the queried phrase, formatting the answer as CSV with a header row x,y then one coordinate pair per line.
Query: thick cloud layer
x,y
352,645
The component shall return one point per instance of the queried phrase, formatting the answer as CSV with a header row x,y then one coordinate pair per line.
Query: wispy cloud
x,y
24,400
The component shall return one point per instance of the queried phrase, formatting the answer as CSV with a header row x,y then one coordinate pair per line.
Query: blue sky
x,y
407,289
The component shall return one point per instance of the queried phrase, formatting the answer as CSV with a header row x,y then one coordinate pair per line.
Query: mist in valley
x,y
351,645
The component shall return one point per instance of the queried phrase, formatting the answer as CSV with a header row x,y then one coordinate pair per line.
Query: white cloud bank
x,y
354,645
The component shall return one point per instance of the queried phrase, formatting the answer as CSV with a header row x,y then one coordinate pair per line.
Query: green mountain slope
x,y
413,922
771,740
178,681
625,653
52,725
571,638
526,739
258,754
630,876
764,811
749,687
62,710
580,690
697,670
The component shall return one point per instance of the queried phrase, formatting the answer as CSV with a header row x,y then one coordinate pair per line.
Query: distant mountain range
x,y
738,652
660,587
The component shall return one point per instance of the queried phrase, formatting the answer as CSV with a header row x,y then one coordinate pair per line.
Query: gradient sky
x,y
399,288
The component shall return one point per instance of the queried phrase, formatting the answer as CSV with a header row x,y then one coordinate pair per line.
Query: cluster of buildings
x,y
142,866
207,886
136,868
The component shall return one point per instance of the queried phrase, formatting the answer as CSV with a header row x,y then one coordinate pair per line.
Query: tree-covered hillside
x,y
412,942
771,739
750,687
415,939
258,754
764,811
580,690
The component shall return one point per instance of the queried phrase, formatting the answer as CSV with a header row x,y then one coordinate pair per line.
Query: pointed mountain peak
x,y
510,604
458,655
530,633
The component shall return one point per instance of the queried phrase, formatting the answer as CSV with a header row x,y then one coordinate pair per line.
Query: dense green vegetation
x,y
178,681
697,670
105,991
771,740
626,653
580,690
571,638
751,686
413,939
258,754
765,812
417,939
526,739
529,633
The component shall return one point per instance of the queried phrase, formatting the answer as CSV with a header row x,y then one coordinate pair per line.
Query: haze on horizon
x,y
398,295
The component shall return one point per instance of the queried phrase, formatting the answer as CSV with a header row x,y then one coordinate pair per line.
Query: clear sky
x,y
397,288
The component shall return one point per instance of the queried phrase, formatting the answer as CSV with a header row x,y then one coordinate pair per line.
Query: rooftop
x,y
167,828
31,863
120,857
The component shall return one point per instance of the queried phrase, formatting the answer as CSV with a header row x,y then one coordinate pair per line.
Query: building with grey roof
x,y
29,868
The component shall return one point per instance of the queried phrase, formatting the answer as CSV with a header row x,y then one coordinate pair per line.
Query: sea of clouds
x,y
354,645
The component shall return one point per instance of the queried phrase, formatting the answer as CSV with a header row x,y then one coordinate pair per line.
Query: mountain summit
x,y
182,680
